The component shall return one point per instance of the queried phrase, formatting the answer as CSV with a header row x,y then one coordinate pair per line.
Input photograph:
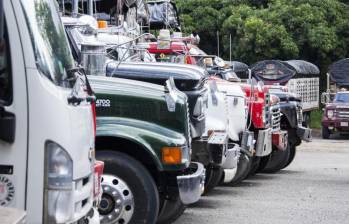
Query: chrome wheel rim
x,y
117,204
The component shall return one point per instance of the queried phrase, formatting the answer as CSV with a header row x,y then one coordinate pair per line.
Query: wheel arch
x,y
139,152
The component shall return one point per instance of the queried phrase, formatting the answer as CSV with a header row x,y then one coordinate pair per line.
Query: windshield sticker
x,y
7,191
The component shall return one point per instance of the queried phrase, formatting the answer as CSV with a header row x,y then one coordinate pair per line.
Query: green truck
x,y
143,137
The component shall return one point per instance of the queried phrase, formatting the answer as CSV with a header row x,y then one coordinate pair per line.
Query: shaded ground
x,y
314,189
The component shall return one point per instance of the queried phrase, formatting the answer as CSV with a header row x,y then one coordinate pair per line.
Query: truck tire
x,y
263,163
278,160
292,156
129,191
325,133
255,165
244,167
170,210
213,177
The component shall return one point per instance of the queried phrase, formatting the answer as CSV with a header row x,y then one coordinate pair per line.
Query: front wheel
x,y
278,160
129,191
244,167
213,177
325,133
292,156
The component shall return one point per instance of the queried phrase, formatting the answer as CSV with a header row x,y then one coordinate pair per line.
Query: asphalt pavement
x,y
313,189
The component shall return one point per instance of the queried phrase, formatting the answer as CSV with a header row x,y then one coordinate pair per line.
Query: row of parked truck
x,y
101,122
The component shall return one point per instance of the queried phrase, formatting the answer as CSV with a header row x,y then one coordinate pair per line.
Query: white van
x,y
46,119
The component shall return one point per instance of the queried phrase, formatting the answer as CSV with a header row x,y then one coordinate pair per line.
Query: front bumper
x,y
264,144
211,150
338,124
247,141
280,139
231,163
191,186
304,134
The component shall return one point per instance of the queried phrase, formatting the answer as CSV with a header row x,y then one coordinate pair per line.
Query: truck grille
x,y
299,115
342,114
275,117
267,110
188,125
83,193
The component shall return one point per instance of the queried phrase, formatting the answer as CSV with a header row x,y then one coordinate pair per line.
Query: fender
x,y
289,111
150,136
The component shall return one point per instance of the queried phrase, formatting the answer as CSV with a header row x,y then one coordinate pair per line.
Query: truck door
x,y
13,114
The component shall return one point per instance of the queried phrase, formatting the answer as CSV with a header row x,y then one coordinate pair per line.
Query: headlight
x,y
58,206
330,113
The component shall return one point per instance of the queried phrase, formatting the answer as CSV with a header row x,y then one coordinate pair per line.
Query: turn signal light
x,y
171,155
102,24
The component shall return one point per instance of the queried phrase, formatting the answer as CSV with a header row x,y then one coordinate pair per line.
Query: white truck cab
x,y
46,119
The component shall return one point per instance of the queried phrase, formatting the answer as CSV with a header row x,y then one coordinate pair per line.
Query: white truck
x,y
46,119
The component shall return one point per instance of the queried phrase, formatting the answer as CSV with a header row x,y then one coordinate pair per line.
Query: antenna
x,y
230,47
218,43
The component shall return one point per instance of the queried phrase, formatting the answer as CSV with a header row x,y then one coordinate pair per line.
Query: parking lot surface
x,y
313,189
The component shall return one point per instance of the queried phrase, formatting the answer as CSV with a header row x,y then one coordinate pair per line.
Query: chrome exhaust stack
x,y
93,58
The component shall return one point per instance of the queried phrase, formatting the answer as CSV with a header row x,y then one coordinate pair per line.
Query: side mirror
x,y
325,98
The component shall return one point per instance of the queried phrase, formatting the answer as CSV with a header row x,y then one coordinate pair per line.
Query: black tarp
x,y
240,69
272,71
303,67
276,71
163,14
339,72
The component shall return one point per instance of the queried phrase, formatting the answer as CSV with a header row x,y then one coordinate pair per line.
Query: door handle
x,y
7,126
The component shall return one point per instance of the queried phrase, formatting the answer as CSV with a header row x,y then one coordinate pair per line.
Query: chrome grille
x,y
275,117
188,125
267,114
342,114
299,115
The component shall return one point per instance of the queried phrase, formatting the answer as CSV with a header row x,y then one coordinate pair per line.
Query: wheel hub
x,y
117,204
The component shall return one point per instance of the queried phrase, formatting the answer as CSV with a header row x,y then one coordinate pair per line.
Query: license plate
x,y
344,124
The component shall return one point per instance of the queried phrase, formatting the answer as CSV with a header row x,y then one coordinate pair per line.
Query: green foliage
x,y
315,119
313,30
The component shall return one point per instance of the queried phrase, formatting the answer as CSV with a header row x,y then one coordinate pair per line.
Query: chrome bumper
x,y
280,139
231,163
264,145
304,134
248,141
192,186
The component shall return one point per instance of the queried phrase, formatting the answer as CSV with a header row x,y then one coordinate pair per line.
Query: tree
x,y
316,31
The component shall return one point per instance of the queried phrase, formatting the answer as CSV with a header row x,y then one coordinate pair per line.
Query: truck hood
x,y
285,97
102,84
229,88
186,77
343,106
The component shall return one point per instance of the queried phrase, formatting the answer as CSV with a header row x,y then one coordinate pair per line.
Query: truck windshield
x,y
342,98
52,52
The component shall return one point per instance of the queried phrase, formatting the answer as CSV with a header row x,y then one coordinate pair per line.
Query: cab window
x,y
5,72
